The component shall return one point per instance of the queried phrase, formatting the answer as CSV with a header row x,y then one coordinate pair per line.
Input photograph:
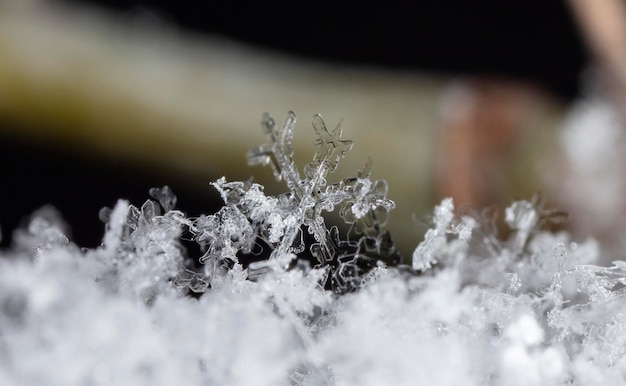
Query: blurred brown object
x,y
603,25
482,124
483,120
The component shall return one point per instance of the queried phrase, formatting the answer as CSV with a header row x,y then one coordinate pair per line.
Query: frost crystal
x,y
426,254
362,203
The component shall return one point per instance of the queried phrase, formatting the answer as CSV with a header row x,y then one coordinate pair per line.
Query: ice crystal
x,y
362,203
264,305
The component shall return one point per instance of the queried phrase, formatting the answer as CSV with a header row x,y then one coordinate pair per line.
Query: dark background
x,y
531,40
534,41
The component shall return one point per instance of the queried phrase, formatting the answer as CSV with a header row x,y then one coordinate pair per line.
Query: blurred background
x,y
482,101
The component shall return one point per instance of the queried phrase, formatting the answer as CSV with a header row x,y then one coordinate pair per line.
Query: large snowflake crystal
x,y
363,203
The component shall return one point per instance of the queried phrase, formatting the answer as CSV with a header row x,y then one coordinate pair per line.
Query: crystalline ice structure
x,y
362,202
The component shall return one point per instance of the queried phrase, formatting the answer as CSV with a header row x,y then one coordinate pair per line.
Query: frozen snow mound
x,y
263,306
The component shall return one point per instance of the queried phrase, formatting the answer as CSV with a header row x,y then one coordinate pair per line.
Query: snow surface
x,y
473,309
